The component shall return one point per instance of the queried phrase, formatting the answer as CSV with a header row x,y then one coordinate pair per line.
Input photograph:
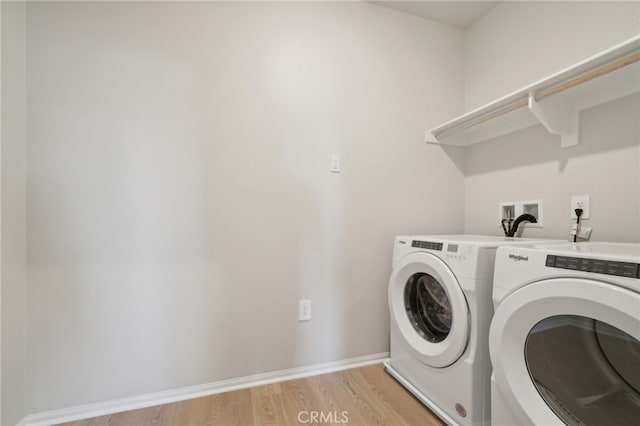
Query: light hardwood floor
x,y
367,396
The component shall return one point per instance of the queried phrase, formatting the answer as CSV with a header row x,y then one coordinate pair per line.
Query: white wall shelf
x,y
555,101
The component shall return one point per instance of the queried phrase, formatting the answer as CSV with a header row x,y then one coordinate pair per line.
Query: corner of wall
x,y
13,292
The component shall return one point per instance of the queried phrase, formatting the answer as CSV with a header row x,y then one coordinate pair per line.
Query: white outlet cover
x,y
580,201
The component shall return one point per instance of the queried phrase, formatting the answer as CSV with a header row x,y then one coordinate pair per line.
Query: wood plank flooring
x,y
358,397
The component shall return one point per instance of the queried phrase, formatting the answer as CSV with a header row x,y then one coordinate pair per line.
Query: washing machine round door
x,y
429,309
566,351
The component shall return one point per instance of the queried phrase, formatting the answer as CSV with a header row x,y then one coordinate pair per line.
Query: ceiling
x,y
460,14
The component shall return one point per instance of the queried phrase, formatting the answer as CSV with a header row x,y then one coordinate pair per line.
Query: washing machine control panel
x,y
598,266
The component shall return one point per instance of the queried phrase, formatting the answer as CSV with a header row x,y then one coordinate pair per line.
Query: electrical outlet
x,y
304,310
580,202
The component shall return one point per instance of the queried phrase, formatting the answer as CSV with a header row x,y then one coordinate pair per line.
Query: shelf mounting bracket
x,y
559,118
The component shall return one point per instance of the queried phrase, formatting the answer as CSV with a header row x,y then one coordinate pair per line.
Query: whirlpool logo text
x,y
518,257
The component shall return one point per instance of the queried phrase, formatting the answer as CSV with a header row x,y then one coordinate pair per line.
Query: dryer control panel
x,y
429,245
451,251
458,252
598,266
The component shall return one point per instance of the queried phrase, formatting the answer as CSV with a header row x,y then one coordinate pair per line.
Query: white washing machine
x,y
440,304
565,336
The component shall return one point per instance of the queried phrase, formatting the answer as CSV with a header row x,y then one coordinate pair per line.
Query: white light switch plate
x,y
335,163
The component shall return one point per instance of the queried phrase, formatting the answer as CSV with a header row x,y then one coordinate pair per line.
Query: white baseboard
x,y
148,400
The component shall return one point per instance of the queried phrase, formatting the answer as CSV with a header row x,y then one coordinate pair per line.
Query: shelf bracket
x,y
559,118
429,137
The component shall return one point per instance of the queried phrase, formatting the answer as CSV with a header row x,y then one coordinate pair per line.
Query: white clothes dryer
x,y
565,336
440,304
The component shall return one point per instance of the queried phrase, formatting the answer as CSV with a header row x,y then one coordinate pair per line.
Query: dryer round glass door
x,y
587,371
566,351
429,309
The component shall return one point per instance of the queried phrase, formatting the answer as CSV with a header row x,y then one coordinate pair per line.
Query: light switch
x,y
304,310
335,163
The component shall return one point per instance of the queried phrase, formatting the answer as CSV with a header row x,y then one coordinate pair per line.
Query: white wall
x,y
516,44
520,42
12,177
179,197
